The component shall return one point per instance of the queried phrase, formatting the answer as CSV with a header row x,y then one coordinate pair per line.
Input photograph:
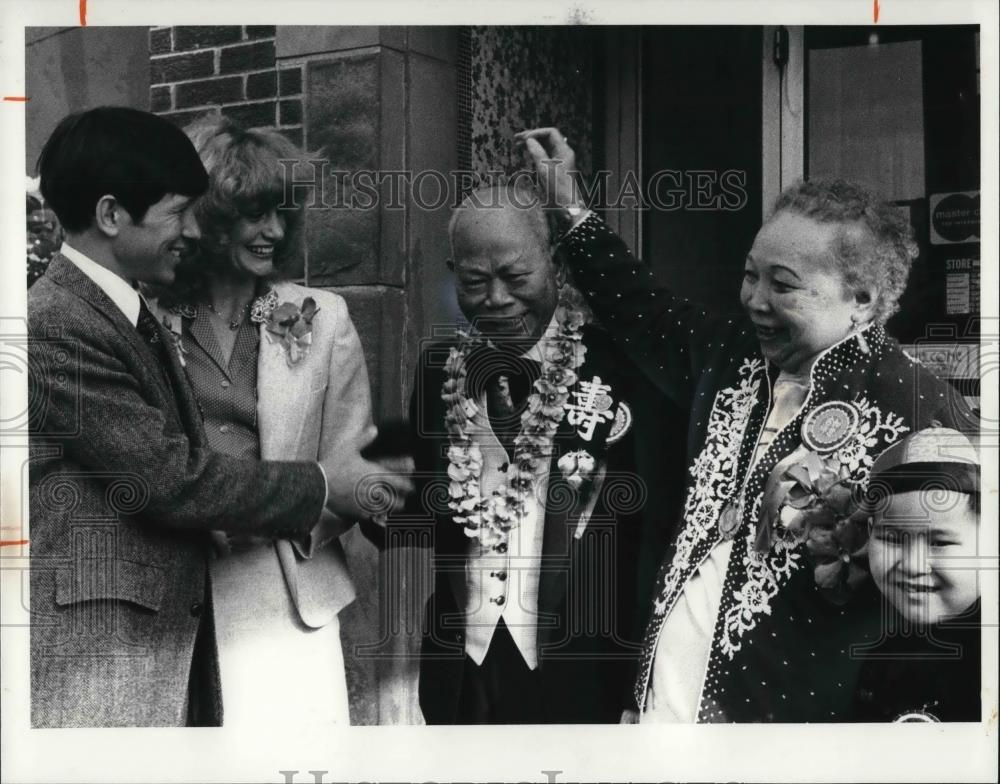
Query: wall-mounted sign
x,y
954,217
961,286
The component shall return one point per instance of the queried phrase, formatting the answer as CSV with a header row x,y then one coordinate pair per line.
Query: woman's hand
x,y
629,716
555,162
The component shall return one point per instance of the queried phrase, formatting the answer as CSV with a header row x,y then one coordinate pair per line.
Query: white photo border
x,y
924,752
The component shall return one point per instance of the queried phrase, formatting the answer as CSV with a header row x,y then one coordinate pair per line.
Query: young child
x,y
924,496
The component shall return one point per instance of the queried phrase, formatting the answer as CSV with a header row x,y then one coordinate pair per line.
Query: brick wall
x,y
232,70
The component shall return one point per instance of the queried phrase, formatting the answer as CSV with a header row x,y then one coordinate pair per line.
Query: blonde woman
x,y
279,373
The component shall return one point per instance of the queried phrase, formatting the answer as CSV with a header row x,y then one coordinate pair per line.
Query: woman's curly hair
x,y
877,257
247,171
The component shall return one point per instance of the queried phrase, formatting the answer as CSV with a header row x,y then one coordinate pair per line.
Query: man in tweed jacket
x,y
123,488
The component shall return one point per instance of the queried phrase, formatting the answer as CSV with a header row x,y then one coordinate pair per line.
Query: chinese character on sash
x,y
592,405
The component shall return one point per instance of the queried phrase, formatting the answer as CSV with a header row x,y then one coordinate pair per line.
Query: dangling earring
x,y
862,343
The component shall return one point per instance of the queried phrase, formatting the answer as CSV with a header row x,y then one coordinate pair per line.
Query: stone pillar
x,y
380,99
71,69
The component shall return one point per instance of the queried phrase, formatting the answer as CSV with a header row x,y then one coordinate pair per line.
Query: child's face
x,y
911,549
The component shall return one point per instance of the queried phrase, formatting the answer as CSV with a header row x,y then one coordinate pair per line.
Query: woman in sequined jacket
x,y
748,622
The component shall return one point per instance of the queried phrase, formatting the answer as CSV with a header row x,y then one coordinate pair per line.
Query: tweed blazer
x,y
123,492
316,409
781,651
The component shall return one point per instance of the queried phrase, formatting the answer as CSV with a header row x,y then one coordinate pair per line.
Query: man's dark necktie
x,y
147,327
508,384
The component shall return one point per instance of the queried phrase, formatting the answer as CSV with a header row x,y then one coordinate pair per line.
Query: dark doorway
x,y
701,158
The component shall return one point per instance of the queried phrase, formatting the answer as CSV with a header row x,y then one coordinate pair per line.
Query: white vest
x,y
505,585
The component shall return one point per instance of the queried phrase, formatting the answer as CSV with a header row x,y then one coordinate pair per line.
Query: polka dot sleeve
x,y
672,339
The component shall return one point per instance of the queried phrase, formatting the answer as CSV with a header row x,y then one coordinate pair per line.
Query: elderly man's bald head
x,y
506,280
516,206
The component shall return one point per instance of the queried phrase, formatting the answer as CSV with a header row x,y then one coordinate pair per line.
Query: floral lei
x,y
490,519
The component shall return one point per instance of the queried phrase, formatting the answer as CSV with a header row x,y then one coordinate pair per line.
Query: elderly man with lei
x,y
764,592
524,426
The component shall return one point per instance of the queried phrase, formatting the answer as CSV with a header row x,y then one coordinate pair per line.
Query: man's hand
x,y
555,162
362,489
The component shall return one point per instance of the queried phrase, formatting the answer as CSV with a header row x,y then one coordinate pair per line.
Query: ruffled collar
x,y
263,304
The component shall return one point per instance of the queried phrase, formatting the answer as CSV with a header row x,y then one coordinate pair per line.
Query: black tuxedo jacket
x,y
593,591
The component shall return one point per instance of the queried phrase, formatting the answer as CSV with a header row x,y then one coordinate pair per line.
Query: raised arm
x,y
671,339
661,333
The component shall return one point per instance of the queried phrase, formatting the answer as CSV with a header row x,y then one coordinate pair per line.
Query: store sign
x,y
954,217
961,281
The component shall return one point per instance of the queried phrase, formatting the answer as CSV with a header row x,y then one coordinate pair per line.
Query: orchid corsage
x,y
289,325
811,498
577,467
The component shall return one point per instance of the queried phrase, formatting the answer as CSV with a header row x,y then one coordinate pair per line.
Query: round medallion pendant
x,y
828,427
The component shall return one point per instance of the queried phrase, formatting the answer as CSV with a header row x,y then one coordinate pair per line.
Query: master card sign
x,y
954,217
